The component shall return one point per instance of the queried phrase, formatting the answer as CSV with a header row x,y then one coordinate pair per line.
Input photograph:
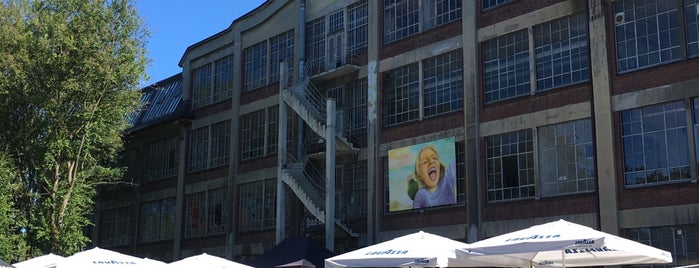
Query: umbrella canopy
x,y
417,249
206,261
561,244
98,257
4,264
291,250
46,261
303,263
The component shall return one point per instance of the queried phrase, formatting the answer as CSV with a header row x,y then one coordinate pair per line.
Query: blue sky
x,y
177,24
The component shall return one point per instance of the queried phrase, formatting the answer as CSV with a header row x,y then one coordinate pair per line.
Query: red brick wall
x,y
544,207
204,242
420,40
511,10
213,109
257,163
426,126
553,98
258,94
653,77
208,174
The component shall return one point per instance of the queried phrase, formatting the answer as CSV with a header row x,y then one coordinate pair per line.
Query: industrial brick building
x,y
586,111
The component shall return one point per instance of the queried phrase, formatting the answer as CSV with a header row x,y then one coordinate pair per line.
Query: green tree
x,y
69,74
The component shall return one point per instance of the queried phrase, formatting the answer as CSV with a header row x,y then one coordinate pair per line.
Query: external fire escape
x,y
301,170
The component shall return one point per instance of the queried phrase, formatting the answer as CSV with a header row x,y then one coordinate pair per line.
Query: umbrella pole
x,y
563,257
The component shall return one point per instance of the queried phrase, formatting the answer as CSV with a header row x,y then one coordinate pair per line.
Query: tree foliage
x,y
69,74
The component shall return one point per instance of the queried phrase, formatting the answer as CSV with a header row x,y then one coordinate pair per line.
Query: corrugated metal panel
x,y
164,101
136,116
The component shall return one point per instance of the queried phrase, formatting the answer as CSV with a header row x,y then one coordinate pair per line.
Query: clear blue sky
x,y
177,24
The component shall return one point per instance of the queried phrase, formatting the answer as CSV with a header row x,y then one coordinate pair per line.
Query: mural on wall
x,y
422,175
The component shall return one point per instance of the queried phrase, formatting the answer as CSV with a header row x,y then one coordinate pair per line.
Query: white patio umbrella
x,y
417,249
45,261
206,261
560,244
99,257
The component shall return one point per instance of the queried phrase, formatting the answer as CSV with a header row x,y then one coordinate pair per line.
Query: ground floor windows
x,y
258,205
115,227
680,240
205,213
157,220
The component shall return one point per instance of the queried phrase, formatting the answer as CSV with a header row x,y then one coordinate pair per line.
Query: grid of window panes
x,y
561,52
205,213
315,45
510,166
257,205
488,4
161,159
655,144
270,202
115,227
281,49
272,129
356,109
336,21
220,143
199,149
194,215
256,66
335,41
691,11
401,19
443,83
682,241
157,220
402,95
201,86
223,78
253,134
566,158
440,12
506,63
216,211
460,178
356,198
357,19
649,33
151,160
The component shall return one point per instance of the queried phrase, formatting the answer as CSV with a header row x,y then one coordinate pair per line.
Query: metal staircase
x,y
299,173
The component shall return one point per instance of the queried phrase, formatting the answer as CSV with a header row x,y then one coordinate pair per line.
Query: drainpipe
x,y
302,38
302,71
330,173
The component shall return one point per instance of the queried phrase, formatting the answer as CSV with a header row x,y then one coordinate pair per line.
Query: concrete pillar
x,y
179,201
602,118
281,154
330,174
373,141
471,133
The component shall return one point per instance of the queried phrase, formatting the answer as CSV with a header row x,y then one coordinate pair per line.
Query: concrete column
x,y
281,154
373,141
232,195
330,174
602,118
471,133
179,201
